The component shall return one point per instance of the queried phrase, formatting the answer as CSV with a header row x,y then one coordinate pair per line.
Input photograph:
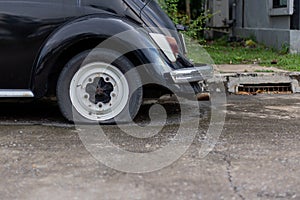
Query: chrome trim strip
x,y
182,40
6,93
186,75
194,74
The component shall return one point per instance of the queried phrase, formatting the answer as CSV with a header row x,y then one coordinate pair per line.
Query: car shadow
x,y
33,112
47,112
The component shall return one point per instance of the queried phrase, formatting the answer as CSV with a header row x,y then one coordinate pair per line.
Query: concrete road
x,y
257,157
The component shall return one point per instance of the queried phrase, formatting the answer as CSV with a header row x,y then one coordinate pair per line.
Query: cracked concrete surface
x,y
257,157
230,177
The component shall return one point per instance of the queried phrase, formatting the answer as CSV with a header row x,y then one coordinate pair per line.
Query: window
x,y
281,7
280,3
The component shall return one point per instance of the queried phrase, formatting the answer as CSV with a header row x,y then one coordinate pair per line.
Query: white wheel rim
x,y
87,77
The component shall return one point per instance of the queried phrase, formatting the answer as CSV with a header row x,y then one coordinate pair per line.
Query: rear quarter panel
x,y
24,27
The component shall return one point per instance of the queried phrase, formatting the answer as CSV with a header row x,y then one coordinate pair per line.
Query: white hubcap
x,y
99,91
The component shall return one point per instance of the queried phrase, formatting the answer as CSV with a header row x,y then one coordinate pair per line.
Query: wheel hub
x,y
100,90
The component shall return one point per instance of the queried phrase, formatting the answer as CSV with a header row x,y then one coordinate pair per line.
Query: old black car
x,y
51,47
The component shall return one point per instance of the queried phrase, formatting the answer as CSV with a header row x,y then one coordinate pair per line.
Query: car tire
x,y
95,87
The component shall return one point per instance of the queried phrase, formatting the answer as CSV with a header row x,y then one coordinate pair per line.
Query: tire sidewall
x,y
106,56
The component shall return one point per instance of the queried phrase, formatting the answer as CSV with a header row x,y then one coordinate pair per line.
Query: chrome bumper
x,y
194,74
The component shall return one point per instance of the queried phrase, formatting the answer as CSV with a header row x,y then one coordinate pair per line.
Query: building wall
x,y
270,37
254,19
256,15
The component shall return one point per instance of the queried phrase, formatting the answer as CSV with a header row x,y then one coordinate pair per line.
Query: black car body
x,y
40,40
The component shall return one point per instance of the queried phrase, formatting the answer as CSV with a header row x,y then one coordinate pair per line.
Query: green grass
x,y
222,52
265,71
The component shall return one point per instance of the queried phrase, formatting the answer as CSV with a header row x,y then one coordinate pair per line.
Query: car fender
x,y
92,27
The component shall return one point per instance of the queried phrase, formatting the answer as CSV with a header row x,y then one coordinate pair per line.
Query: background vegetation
x,y
223,52
191,13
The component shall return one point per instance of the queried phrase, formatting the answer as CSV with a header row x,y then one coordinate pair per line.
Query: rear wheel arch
x,y
67,41
57,63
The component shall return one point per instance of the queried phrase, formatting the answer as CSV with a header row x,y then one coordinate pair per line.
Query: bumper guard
x,y
194,74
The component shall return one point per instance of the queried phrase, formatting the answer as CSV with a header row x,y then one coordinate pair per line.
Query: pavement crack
x,y
230,179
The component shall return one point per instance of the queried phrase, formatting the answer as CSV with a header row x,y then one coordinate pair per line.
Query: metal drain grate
x,y
277,88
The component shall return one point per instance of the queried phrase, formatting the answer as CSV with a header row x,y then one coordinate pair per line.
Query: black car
x,y
80,51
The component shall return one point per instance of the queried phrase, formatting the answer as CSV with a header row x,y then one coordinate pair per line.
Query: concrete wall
x,y
258,21
274,39
256,15
295,41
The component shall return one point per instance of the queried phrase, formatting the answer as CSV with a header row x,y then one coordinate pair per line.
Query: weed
x,y
223,52
264,71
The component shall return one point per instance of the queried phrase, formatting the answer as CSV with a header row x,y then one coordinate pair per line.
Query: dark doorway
x,y
295,20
